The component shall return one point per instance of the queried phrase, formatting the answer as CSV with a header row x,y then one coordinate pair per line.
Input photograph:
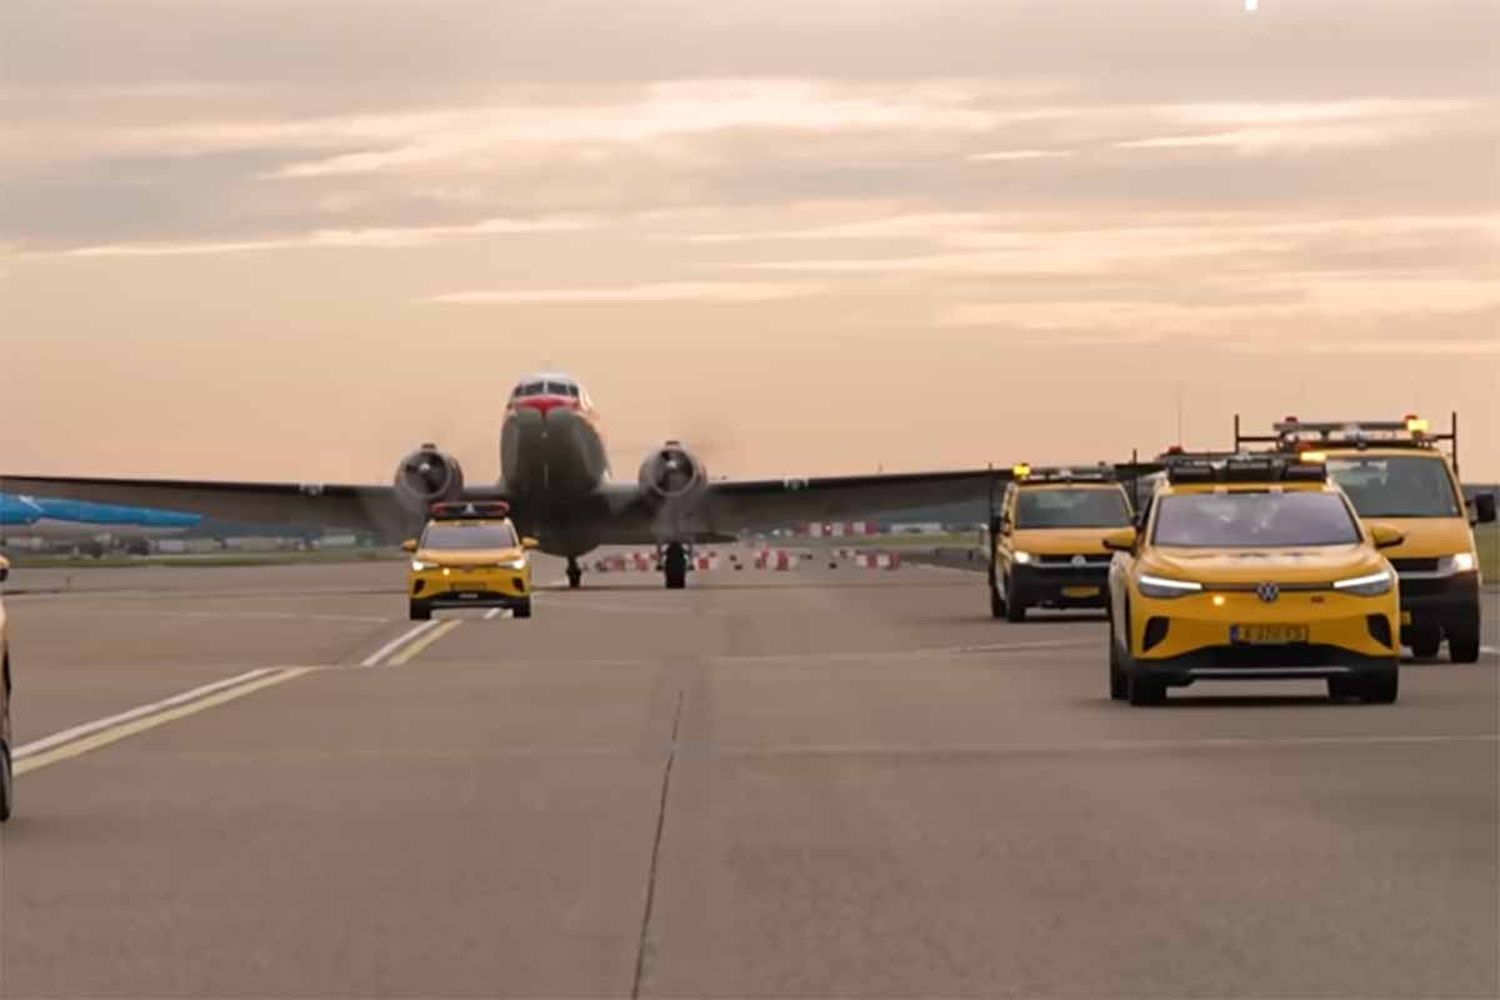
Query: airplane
x,y
54,519
555,475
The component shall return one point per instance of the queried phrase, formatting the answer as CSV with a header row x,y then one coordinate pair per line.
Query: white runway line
x,y
1489,650
490,615
390,647
89,728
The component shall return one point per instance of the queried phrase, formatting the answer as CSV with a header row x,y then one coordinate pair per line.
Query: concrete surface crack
x,y
661,821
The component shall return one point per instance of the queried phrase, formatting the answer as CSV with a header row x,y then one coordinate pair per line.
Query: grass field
x,y
22,560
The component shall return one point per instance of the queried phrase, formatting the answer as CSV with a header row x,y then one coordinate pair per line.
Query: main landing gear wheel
x,y
7,784
674,566
575,573
420,611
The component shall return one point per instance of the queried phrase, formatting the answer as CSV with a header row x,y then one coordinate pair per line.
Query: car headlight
x,y
418,565
1162,586
1024,558
1370,585
1459,562
512,564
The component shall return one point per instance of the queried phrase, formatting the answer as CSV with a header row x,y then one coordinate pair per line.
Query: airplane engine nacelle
x,y
427,476
671,471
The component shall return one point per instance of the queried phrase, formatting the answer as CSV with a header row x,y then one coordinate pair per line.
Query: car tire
x,y
997,605
521,610
420,611
7,783
1425,642
1143,690
1463,647
1343,689
1015,611
1119,684
1381,688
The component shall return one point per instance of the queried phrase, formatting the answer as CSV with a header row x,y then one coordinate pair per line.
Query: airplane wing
x,y
363,508
723,508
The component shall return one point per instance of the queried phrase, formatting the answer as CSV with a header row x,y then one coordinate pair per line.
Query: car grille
x,y
1089,559
1415,565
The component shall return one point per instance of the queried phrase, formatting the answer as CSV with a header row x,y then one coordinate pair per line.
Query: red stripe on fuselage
x,y
545,404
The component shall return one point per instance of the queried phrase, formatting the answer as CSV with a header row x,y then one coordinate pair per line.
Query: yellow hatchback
x,y
1252,567
469,556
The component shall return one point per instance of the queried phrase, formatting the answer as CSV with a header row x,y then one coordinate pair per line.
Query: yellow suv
x,y
1395,472
1252,567
7,786
1048,539
469,556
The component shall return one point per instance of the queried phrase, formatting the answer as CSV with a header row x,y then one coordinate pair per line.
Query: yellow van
x,y
1397,472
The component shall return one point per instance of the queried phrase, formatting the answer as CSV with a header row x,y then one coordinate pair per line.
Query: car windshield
x,y
1396,485
1071,508
469,536
1253,520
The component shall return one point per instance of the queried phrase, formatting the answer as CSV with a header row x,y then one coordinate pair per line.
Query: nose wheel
x,y
674,565
575,573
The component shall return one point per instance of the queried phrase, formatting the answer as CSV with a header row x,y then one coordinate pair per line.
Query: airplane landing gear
x,y
674,565
575,573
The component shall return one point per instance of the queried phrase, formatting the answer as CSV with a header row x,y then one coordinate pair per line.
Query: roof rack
x,y
1294,435
468,510
1243,467
1101,473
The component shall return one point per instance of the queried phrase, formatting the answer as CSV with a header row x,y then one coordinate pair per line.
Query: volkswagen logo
x,y
1267,592
1080,560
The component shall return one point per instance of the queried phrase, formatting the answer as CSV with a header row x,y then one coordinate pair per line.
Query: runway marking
x,y
411,633
101,733
1489,650
489,615
411,649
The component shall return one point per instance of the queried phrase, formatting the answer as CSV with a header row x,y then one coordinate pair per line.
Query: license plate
x,y
1406,618
1080,591
1268,635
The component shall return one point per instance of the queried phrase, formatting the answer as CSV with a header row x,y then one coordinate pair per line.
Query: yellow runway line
x,y
114,734
412,649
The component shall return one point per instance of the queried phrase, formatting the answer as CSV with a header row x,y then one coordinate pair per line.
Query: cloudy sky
x,y
289,239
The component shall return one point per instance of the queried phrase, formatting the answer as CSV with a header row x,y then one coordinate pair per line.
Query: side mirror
x,y
1122,540
410,545
529,543
1484,508
1384,536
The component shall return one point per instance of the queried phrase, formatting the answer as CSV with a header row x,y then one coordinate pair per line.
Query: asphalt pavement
x,y
267,782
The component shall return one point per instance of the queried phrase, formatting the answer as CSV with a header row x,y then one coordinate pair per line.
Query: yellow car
x,y
1048,539
1395,472
469,556
6,774
1252,567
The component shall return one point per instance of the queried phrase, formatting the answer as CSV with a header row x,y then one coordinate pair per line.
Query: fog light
x,y
1218,600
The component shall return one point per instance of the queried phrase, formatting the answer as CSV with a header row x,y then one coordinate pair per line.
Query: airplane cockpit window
x,y
531,389
562,389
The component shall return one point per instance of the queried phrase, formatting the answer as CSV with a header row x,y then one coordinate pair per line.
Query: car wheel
x,y
1015,611
1143,690
1343,689
420,611
1381,688
522,610
997,603
7,783
1463,647
1425,642
1119,686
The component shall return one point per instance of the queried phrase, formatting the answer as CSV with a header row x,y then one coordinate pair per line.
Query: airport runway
x,y
809,783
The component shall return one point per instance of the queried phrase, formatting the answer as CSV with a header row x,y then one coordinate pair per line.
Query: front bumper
x,y
1197,630
1250,663
1449,602
1060,586
490,588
